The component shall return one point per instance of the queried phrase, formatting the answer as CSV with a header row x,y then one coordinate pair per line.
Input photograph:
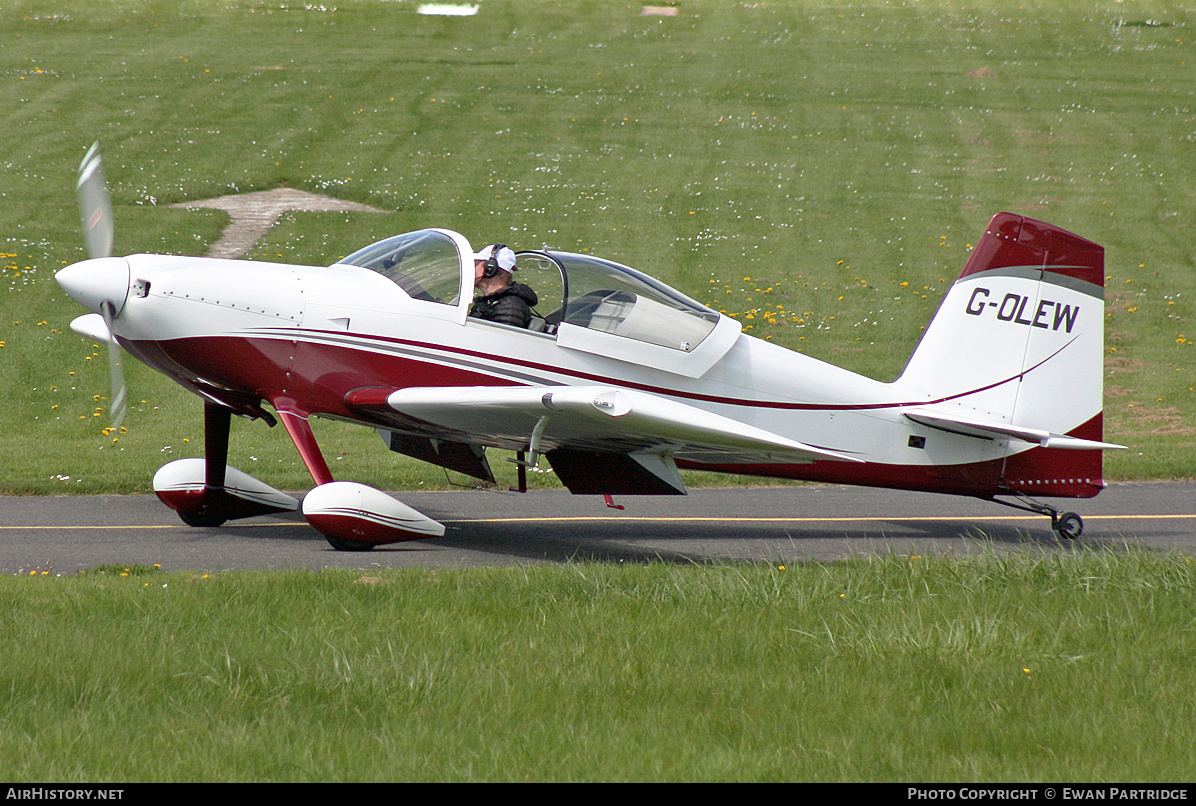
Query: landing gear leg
x,y
1067,525
217,422
305,442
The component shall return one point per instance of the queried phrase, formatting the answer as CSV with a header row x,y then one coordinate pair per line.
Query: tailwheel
x,y
1069,525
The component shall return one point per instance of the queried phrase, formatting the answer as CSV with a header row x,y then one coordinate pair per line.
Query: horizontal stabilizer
x,y
991,430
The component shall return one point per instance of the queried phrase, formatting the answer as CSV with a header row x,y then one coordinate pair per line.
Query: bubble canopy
x,y
578,292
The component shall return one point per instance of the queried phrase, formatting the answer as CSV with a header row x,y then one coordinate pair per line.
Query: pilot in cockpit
x,y
503,300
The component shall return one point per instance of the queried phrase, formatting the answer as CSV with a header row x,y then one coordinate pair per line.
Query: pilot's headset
x,y
498,257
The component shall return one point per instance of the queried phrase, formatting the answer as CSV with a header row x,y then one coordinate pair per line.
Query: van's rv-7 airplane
x,y
622,381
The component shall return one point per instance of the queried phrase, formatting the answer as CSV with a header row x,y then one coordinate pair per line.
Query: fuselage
x,y
303,337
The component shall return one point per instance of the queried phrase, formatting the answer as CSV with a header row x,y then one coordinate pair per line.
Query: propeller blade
x,y
116,375
95,208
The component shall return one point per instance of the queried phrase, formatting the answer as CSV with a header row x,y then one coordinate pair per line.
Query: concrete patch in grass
x,y
253,214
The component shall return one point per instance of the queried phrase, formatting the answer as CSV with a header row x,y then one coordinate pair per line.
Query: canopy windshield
x,y
426,264
605,296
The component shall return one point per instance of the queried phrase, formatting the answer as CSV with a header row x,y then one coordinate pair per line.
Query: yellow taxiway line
x,y
656,519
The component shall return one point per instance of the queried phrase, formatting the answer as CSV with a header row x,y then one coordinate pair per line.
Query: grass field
x,y
817,169
1016,668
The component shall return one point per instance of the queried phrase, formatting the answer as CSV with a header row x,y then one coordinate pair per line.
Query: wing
x,y
583,430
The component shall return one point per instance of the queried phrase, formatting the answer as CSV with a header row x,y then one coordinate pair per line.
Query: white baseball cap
x,y
505,259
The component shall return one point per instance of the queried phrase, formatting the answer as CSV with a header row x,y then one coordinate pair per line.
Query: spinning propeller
x,y
101,283
94,206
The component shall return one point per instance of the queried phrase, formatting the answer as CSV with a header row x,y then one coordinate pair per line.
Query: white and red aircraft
x,y
622,381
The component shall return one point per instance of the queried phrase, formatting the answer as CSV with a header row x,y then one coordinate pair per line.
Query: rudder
x,y
1019,341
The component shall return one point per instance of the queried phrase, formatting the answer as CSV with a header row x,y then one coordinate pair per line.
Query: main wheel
x,y
201,520
1069,525
340,544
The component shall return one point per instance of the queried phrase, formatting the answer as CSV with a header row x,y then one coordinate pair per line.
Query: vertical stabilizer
x,y
1019,341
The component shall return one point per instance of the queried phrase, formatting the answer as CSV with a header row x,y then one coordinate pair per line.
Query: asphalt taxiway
x,y
775,524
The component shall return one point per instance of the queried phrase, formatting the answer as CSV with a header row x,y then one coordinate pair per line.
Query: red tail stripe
x,y
1014,240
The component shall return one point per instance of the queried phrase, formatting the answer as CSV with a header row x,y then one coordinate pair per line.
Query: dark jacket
x,y
510,305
